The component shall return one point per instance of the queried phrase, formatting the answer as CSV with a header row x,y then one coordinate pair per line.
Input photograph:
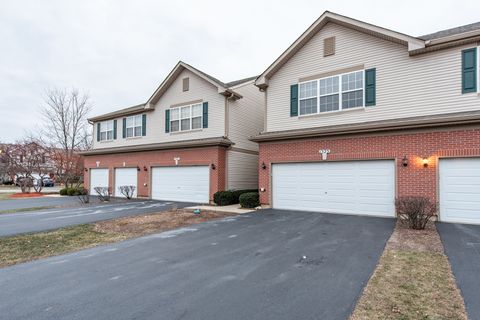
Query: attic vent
x,y
328,46
186,84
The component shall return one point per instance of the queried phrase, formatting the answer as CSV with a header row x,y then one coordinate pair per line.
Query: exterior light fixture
x,y
213,166
425,162
145,168
138,168
264,166
405,161
86,169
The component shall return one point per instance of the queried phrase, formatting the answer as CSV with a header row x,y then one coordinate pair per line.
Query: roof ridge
x,y
451,31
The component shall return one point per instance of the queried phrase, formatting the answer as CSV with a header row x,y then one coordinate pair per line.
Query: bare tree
x,y
26,160
65,129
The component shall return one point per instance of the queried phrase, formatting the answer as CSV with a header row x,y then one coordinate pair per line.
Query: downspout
x,y
227,132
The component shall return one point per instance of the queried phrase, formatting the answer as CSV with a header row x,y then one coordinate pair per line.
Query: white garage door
x,y
98,178
188,184
460,190
125,177
353,187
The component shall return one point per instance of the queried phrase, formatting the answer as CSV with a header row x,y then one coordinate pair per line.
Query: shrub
x,y
63,192
250,200
415,211
238,193
83,195
103,193
223,198
127,191
71,191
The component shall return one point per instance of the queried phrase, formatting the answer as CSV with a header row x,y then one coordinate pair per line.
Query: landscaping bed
x,y
413,280
22,248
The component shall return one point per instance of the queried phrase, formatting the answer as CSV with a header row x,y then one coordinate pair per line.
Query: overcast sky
x,y
119,51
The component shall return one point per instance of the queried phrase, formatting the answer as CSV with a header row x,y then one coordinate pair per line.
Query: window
x,y
134,126
340,92
186,118
106,130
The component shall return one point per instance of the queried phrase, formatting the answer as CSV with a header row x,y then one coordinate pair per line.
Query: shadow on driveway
x,y
245,267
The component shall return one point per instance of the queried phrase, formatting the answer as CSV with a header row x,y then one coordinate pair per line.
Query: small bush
x,y
83,195
250,200
103,193
238,193
71,191
63,192
223,198
415,211
127,191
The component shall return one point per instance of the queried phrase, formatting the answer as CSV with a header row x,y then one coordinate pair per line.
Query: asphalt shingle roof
x,y
452,31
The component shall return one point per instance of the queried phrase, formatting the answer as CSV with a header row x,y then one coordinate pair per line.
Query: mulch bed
x,y
26,195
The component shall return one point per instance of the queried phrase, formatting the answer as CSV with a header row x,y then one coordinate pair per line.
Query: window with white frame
x,y
186,118
339,92
134,126
106,130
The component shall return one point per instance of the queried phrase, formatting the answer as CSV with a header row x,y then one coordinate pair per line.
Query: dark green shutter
x,y
98,131
294,100
370,84
124,128
144,124
167,120
469,70
205,114
114,129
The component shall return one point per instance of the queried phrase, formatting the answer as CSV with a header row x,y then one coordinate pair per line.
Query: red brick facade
x,y
149,159
414,179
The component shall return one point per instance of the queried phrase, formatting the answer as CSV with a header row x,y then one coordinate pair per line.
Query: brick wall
x,y
148,159
414,179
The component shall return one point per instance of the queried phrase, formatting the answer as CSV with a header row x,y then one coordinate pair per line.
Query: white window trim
x,y
134,126
179,108
329,94
106,131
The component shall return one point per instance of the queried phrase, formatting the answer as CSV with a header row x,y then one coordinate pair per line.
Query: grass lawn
x,y
5,196
27,247
413,280
26,209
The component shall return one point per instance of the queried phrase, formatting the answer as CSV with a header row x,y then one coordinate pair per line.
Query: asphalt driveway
x,y
245,267
48,201
462,246
42,220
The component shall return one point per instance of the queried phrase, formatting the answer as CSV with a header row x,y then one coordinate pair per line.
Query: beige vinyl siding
x,y
245,116
405,86
242,170
199,89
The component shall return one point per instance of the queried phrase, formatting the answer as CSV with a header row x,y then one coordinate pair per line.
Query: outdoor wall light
x,y
405,161
86,169
213,166
425,162
264,166
138,168
145,168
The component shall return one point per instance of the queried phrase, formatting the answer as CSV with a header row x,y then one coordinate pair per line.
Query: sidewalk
x,y
234,208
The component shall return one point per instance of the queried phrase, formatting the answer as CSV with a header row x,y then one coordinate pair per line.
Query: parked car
x,y
48,182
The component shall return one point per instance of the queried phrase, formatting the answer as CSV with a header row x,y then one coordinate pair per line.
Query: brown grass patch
x,y
27,247
413,280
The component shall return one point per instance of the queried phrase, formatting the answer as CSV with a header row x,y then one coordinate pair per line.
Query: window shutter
x,y
469,70
205,114
124,128
98,131
144,124
294,100
114,129
167,120
370,87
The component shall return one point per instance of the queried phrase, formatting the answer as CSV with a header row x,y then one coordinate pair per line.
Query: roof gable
x,y
411,42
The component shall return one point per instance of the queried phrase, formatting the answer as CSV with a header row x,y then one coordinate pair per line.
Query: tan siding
x,y
198,89
246,116
406,86
242,170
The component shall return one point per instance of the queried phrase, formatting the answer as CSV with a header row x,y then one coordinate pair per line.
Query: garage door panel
x,y
460,190
98,178
355,187
125,177
187,184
